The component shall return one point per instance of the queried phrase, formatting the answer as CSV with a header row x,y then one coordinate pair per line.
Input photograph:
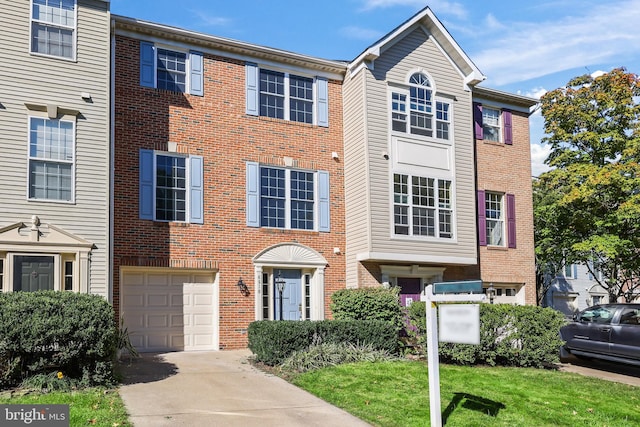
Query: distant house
x,y
575,289
54,146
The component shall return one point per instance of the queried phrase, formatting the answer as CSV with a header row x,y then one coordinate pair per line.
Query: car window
x,y
601,315
630,316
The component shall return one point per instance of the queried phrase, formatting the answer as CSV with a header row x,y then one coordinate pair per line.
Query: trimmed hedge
x,y
510,335
368,304
48,331
273,341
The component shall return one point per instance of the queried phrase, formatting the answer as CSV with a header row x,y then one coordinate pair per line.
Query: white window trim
x,y
287,95
404,90
499,126
74,37
73,162
187,65
502,220
452,209
187,200
287,202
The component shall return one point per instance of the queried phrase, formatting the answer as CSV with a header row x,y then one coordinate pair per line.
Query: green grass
x,y
397,394
87,407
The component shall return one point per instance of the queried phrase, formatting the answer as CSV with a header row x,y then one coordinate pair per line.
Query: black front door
x,y
33,273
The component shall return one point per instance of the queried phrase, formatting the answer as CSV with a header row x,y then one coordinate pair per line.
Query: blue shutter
x,y
323,102
146,184
323,201
477,120
511,220
253,194
196,79
253,88
575,271
147,65
482,219
196,190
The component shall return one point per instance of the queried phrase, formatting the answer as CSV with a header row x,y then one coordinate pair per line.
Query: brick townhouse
x,y
252,183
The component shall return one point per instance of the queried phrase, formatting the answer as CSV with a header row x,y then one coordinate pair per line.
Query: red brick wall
x,y
507,169
216,127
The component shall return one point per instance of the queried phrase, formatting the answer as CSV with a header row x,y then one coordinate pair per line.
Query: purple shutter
x,y
508,132
477,120
511,220
482,219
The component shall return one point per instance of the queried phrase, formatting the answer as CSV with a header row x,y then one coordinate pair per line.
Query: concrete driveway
x,y
218,389
610,371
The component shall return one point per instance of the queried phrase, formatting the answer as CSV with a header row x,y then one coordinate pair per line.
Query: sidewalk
x,y
218,389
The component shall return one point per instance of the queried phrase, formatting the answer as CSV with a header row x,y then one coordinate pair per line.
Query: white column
x,y
257,291
317,295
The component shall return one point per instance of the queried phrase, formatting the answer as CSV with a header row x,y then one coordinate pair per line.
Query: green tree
x,y
588,205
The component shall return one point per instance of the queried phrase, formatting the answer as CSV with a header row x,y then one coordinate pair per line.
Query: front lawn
x,y
397,394
87,407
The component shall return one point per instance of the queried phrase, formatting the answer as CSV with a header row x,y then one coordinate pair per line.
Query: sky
x,y
522,47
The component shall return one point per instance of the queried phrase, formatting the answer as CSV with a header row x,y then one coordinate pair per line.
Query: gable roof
x,y
425,19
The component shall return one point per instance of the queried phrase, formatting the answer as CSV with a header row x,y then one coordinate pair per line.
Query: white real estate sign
x,y
459,323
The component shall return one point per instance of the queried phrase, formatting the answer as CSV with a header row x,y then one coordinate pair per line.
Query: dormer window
x,y
420,110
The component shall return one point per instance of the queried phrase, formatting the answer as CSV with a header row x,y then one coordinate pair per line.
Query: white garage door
x,y
167,310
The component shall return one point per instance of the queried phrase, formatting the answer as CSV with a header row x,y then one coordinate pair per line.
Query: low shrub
x,y
510,335
331,354
47,331
368,304
273,341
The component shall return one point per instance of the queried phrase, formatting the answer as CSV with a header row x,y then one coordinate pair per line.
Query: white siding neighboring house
x,y
574,290
54,145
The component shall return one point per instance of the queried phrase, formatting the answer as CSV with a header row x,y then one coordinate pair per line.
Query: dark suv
x,y
607,331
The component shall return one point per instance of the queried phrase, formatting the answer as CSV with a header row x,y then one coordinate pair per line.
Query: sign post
x,y
470,291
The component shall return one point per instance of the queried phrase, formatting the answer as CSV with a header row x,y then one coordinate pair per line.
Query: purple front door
x,y
409,290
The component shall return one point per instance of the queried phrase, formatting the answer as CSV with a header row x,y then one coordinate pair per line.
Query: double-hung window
x,y
171,187
422,206
287,198
171,69
493,124
496,219
286,96
53,27
51,159
424,112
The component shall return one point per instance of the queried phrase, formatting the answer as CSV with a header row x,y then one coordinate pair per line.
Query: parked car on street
x,y
608,331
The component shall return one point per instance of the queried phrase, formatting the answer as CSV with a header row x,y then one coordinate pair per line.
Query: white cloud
x,y
438,6
210,20
359,33
492,23
539,154
528,50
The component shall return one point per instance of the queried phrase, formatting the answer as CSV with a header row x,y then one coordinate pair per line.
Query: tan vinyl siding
x,y
356,189
414,52
41,80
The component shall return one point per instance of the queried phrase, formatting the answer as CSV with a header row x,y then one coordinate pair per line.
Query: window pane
x,y
272,94
272,197
172,70
302,200
171,194
401,219
491,124
424,222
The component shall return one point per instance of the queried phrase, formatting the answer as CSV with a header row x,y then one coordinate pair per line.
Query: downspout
x,y
111,154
